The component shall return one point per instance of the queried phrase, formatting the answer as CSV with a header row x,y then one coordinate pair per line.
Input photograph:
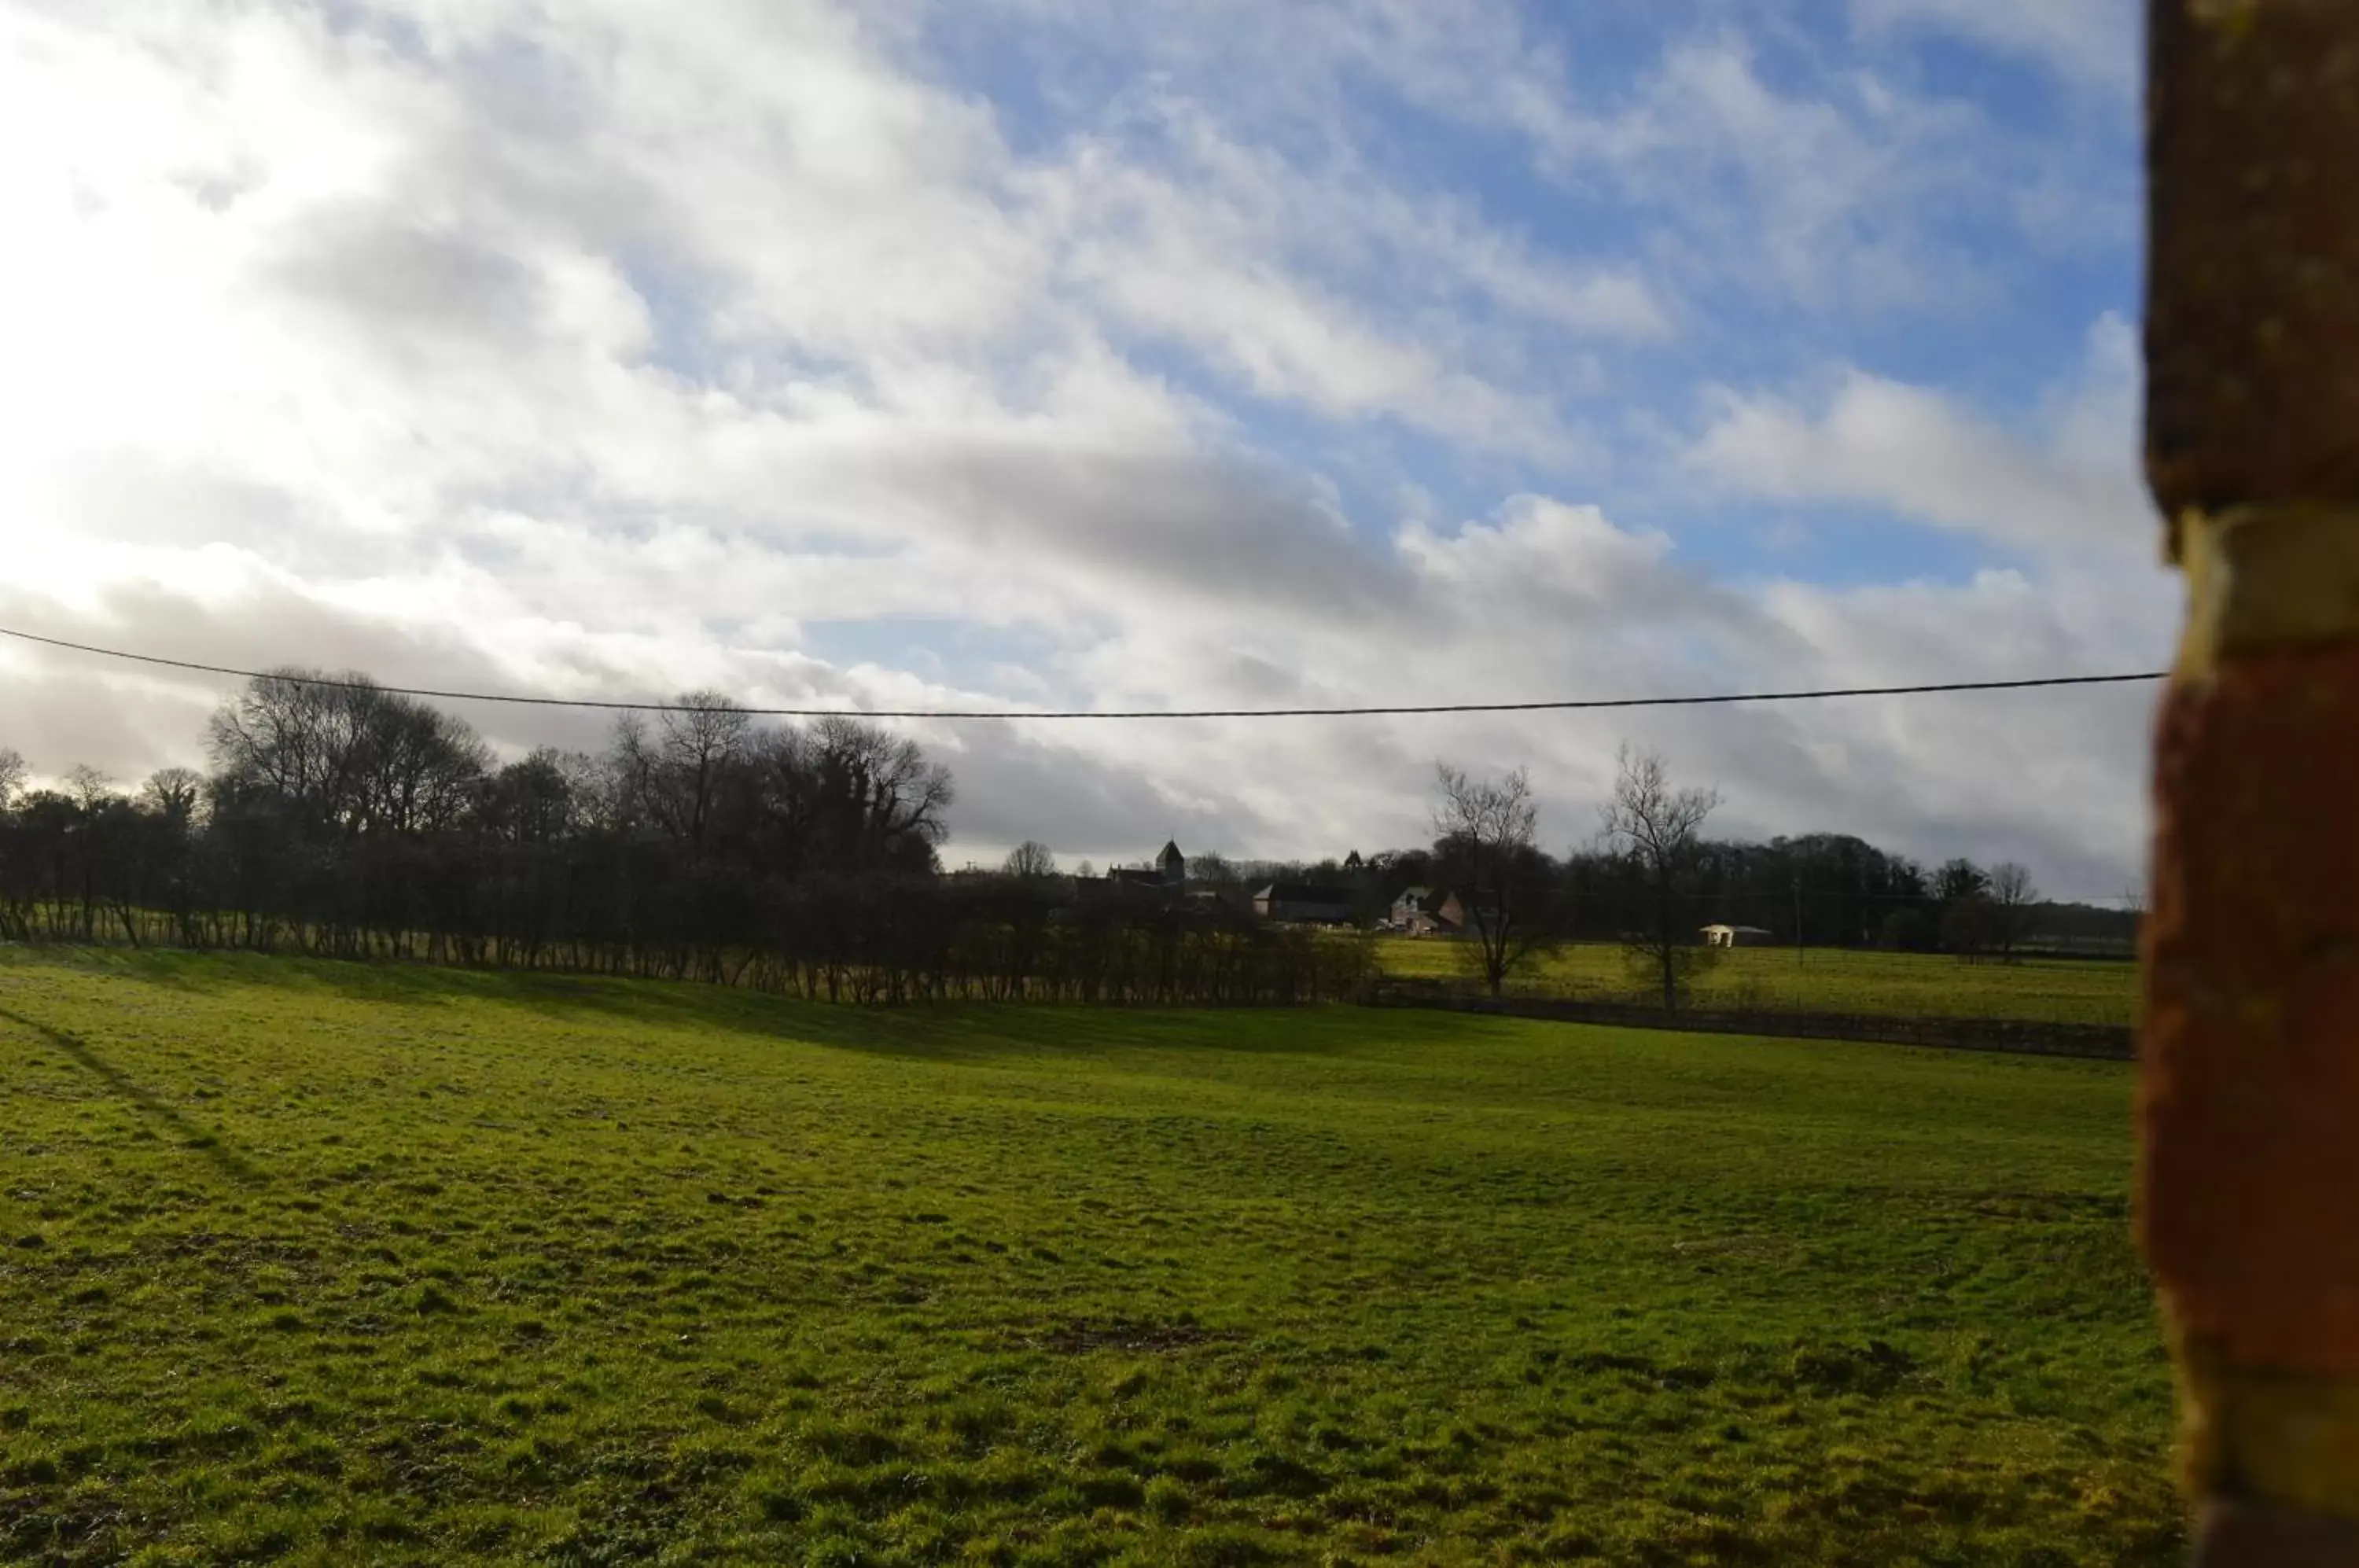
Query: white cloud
x,y
2092,42
1916,450
1837,196
1328,288
1824,182
2061,495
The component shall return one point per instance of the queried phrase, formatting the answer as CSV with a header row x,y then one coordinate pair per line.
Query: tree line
x,y
1651,878
339,820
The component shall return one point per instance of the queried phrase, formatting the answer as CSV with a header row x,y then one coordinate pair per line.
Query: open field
x,y
1832,980
317,1262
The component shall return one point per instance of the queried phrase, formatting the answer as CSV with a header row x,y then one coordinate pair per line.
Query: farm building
x,y
1735,936
1424,912
1427,911
1304,903
1170,870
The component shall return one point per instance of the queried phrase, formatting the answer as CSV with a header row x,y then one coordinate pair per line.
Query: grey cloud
x,y
397,282
272,627
132,718
1167,523
129,720
1576,586
61,717
2053,779
151,498
1013,788
278,627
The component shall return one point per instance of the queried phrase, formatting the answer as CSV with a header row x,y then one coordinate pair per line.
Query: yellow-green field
x,y
1832,980
317,1263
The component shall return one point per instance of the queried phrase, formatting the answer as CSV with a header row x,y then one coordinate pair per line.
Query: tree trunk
x,y
1664,915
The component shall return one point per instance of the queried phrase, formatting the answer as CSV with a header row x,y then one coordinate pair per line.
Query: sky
x,y
1110,354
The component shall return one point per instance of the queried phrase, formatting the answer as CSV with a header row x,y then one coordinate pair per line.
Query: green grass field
x,y
310,1262
1832,980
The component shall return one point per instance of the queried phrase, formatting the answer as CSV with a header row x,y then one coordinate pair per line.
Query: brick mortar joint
x,y
2261,579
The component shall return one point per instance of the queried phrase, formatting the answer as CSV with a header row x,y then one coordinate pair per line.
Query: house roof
x,y
1170,852
1304,893
1432,898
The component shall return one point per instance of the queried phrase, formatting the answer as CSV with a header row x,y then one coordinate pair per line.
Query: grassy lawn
x,y
2050,990
313,1262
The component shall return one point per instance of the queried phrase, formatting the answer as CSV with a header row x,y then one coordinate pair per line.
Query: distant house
x,y
1735,936
1170,870
1422,911
1414,905
1304,903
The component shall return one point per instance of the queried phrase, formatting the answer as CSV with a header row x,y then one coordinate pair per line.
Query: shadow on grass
x,y
950,1031
193,1135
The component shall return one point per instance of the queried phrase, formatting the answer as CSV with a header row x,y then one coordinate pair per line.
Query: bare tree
x,y
90,788
1959,880
1031,861
1208,869
12,774
591,791
883,798
346,755
695,749
1659,830
174,794
531,800
2012,900
421,769
1484,831
296,737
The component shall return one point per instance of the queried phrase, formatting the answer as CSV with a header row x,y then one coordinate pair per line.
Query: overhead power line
x,y
1569,704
